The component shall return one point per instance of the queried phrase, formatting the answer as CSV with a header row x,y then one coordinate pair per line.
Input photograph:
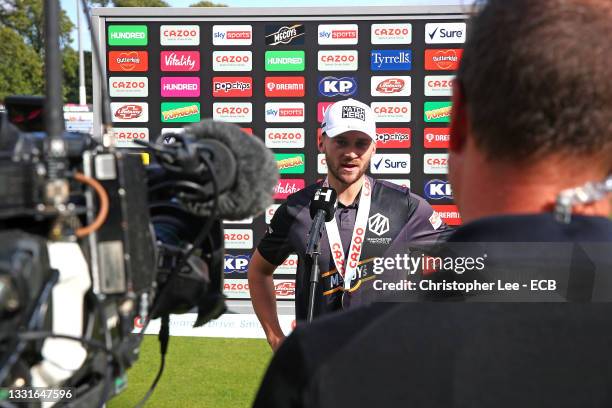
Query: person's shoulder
x,y
302,197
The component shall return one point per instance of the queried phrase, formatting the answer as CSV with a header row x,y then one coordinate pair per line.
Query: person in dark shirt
x,y
530,164
373,214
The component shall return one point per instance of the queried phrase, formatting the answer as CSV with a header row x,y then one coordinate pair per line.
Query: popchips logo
x,y
285,87
391,34
391,111
237,112
128,61
284,138
292,112
439,85
128,86
232,61
443,59
179,35
232,35
130,112
436,138
337,60
393,138
286,187
232,87
125,137
390,86
338,34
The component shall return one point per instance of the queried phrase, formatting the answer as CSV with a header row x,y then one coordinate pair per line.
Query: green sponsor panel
x,y
180,112
128,35
285,60
437,112
290,163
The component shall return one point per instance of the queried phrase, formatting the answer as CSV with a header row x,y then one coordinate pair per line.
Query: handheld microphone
x,y
322,209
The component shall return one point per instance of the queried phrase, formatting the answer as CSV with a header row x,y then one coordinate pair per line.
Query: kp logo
x,y
438,190
236,263
331,86
378,224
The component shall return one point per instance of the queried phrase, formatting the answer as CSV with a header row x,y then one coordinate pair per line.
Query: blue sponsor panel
x,y
236,263
331,86
438,190
391,60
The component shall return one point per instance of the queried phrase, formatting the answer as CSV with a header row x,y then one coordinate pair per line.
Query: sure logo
x,y
435,163
179,35
232,34
438,190
445,33
332,86
285,87
391,33
128,86
128,61
443,59
180,61
232,61
391,60
130,112
337,60
391,111
338,34
284,138
390,164
285,34
390,86
122,35
232,87
237,112
278,112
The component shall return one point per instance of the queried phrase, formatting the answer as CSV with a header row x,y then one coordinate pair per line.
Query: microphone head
x,y
256,176
326,199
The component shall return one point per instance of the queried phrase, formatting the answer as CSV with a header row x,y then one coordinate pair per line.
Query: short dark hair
x,y
537,78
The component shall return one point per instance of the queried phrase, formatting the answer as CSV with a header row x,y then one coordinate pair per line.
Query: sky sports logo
x,y
338,34
337,60
391,111
290,112
438,190
290,163
390,164
443,59
235,112
232,34
122,35
285,87
391,33
285,187
391,60
393,138
285,34
285,61
284,138
232,87
120,87
125,137
390,86
445,33
232,61
180,35
128,61
180,87
435,163
439,85
130,111
331,86
179,61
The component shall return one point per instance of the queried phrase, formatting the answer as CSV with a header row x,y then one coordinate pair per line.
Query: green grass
x,y
200,372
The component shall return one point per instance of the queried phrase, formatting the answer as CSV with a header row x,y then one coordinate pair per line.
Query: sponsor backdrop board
x,y
274,72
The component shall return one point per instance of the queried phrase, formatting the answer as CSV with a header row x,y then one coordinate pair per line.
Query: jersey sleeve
x,y
275,245
425,225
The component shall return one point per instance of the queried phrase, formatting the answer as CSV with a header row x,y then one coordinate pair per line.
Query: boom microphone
x,y
251,185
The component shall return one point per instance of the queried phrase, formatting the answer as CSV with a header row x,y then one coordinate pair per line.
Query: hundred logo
x,y
127,35
173,112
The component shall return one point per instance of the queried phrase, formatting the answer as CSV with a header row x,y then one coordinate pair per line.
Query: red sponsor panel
x,y
449,213
285,87
319,134
322,107
436,138
247,130
393,138
286,187
443,59
232,87
128,61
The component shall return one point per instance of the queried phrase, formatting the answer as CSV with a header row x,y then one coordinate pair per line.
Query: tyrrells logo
x,y
378,224
353,112
276,35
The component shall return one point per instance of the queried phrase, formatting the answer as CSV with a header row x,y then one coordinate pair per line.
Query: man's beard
x,y
343,178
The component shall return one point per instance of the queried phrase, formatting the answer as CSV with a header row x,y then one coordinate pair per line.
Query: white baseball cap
x,y
349,115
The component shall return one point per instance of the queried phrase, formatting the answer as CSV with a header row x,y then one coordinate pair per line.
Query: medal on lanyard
x,y
348,267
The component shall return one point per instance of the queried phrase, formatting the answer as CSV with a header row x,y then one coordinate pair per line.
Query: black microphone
x,y
244,167
322,209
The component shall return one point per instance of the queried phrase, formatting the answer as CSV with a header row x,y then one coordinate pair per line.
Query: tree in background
x,y
21,69
207,4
